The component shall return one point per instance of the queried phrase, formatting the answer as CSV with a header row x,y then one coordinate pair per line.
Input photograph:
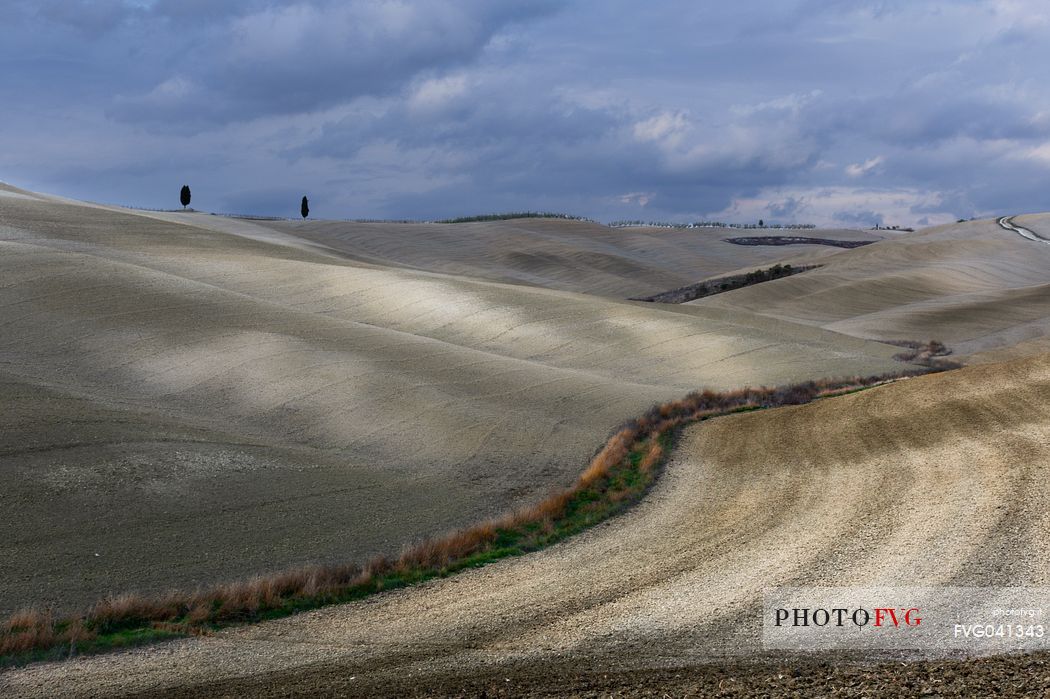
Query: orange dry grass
x,y
26,630
653,454
25,619
74,633
439,553
614,451
131,606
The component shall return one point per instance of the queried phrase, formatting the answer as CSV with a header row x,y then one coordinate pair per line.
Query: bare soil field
x,y
568,255
938,480
188,399
982,290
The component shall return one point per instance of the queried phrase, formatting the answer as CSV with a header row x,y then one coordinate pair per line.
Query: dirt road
x,y
940,480
1007,222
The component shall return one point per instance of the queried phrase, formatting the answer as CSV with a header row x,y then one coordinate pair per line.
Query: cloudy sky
x,y
833,112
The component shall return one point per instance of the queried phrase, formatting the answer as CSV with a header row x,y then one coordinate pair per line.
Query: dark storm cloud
x,y
784,210
92,18
861,219
829,111
294,58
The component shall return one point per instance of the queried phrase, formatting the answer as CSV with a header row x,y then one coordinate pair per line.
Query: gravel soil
x,y
1023,676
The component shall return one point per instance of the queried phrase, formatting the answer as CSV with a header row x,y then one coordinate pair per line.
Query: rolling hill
x,y
567,255
982,290
190,401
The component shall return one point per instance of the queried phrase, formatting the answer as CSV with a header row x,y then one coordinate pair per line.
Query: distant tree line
x,y
712,224
511,215
685,294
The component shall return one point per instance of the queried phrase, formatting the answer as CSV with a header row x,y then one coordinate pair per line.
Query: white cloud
x,y
1040,154
842,207
640,198
860,169
437,92
792,103
667,129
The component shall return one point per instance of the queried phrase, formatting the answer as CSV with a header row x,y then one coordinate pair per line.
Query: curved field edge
x,y
618,475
